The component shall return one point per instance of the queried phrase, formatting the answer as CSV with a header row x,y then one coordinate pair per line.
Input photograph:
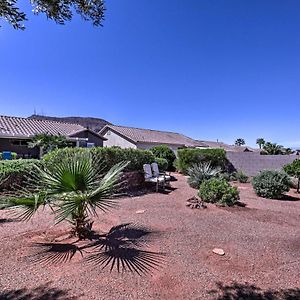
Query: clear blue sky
x,y
211,69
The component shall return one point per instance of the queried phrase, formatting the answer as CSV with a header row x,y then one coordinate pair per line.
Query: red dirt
x,y
261,243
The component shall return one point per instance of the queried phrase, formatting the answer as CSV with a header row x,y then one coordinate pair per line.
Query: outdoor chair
x,y
156,172
149,177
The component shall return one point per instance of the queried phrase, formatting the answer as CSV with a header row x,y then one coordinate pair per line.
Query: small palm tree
x,y
74,189
240,142
260,142
273,149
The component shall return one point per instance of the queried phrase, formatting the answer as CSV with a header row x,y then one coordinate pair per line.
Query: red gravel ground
x,y
261,243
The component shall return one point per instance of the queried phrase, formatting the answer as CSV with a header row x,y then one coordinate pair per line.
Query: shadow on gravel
x,y
3,221
237,291
289,198
119,249
43,292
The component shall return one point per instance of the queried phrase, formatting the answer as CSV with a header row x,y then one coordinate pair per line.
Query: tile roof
x,y
153,136
23,127
231,148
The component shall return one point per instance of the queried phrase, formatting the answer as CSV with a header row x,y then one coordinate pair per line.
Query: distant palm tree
x,y
239,142
260,142
288,151
74,189
273,149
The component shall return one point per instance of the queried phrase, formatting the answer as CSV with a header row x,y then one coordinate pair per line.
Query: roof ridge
x,y
144,129
41,120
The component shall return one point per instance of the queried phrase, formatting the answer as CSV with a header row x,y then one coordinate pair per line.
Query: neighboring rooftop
x,y
95,124
153,136
230,148
24,127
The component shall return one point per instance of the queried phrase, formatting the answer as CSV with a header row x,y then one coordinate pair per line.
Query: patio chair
x,y
149,177
156,172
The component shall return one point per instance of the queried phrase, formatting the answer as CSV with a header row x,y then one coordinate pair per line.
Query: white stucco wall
x,y
114,139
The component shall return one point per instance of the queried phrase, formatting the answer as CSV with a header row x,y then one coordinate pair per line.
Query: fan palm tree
x,y
273,149
74,188
260,142
240,142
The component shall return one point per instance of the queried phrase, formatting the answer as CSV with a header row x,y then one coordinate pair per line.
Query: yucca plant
x,y
74,188
200,172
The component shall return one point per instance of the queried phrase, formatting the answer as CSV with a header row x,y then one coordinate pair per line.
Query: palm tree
x,y
239,142
273,149
74,189
288,151
260,142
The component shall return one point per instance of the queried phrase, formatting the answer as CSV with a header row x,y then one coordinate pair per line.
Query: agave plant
x,y
200,172
74,189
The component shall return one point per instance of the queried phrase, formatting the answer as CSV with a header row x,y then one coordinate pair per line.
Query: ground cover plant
x,y
271,184
218,191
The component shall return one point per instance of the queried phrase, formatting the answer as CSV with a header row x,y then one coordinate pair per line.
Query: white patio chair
x,y
149,177
156,172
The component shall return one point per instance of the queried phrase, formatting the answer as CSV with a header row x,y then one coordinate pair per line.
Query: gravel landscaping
x,y
169,244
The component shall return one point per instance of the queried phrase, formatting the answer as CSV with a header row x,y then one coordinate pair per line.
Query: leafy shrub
x,y
190,156
218,191
109,156
15,171
165,152
200,172
293,169
271,184
241,177
162,163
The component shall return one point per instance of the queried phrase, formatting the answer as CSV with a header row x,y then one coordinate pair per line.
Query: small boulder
x,y
140,211
219,251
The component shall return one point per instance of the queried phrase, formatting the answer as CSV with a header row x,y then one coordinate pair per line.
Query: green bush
x,y
293,169
162,163
218,191
200,172
190,156
271,184
109,156
165,152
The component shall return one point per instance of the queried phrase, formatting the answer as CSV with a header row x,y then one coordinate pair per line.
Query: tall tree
x,y
58,10
239,142
260,142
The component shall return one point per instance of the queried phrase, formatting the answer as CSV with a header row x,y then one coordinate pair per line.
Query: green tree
x,y
47,142
239,142
293,169
260,142
273,149
58,10
288,151
74,189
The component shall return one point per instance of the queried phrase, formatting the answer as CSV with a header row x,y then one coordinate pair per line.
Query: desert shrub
x,y
15,171
165,152
200,172
271,184
162,163
218,191
190,156
293,169
108,156
241,177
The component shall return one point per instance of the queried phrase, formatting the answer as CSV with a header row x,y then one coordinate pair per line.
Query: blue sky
x,y
211,69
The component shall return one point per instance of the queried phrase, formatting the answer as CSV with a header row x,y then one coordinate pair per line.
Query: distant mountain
x,y
94,124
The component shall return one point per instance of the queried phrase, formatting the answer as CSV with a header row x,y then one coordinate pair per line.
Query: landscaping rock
x,y
195,203
140,211
219,251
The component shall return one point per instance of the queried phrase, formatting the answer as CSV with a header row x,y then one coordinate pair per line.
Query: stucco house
x,y
130,137
229,148
16,132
